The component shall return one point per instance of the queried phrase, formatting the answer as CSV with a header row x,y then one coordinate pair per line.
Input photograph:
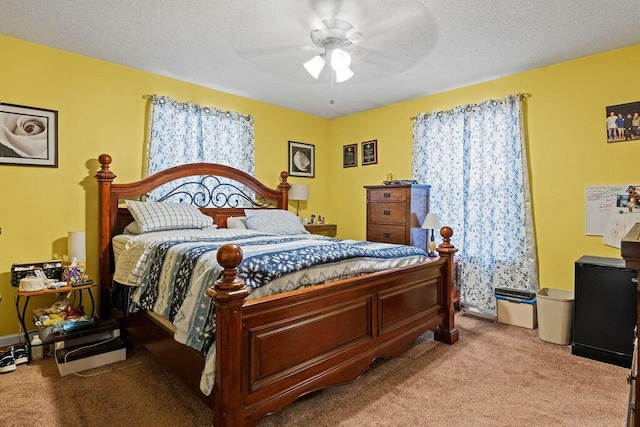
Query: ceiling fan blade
x,y
326,9
265,51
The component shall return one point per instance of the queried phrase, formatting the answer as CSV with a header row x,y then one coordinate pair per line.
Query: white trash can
x,y
555,315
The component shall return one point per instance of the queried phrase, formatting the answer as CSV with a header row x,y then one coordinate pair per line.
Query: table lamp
x,y
77,246
74,273
431,222
299,192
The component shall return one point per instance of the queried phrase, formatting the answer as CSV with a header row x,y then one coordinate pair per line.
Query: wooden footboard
x,y
272,350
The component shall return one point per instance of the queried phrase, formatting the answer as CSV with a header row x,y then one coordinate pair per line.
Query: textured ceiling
x,y
255,48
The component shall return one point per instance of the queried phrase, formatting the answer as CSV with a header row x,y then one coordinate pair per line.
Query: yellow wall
x,y
101,109
568,151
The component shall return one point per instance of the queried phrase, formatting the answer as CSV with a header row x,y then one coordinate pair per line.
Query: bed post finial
x,y
229,257
448,332
228,295
284,189
446,232
105,161
104,174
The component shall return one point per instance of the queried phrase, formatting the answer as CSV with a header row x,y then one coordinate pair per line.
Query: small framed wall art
x,y
301,159
370,152
29,137
350,155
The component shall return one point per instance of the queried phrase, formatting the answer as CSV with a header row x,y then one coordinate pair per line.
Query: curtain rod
x,y
244,116
522,96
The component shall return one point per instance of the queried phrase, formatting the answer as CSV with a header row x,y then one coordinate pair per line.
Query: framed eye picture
x,y
301,159
30,136
350,155
370,152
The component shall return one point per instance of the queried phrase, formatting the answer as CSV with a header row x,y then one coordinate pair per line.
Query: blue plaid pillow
x,y
153,216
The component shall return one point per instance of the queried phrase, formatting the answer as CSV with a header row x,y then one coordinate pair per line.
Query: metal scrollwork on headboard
x,y
210,191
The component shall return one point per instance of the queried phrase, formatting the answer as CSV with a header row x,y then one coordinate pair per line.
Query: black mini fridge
x,y
605,313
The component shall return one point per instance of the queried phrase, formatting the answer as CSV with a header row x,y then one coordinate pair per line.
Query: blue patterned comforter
x,y
175,272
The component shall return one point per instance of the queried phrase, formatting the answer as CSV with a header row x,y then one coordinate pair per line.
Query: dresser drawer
x,y
388,195
386,233
393,213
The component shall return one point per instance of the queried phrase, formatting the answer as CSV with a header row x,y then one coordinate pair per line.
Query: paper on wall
x,y
619,224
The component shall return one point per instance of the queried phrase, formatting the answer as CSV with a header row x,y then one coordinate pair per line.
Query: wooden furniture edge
x,y
630,251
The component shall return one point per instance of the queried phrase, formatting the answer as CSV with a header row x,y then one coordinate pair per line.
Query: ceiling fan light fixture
x,y
334,36
343,74
314,66
340,59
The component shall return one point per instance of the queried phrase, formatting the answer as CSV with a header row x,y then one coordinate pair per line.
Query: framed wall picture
x,y
350,155
30,136
623,122
301,159
370,152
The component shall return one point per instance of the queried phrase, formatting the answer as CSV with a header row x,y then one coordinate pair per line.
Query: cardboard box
x,y
523,313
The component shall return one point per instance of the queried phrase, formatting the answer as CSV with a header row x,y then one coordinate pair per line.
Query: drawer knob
x,y
387,212
386,235
387,195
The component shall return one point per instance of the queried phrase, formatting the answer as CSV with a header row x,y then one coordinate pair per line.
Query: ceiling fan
x,y
335,37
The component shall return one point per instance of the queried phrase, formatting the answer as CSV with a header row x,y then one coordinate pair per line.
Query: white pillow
x,y
132,228
153,216
237,222
274,221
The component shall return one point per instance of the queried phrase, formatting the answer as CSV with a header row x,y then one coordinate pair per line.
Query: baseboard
x,y
601,355
9,340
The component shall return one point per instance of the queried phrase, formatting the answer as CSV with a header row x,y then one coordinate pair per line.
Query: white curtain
x,y
475,160
183,132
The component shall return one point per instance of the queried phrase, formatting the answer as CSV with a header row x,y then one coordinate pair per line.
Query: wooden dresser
x,y
395,214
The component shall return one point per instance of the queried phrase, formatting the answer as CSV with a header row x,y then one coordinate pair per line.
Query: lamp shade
x,y
340,59
314,66
299,192
77,246
432,221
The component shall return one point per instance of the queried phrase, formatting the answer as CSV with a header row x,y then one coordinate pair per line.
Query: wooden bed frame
x,y
272,350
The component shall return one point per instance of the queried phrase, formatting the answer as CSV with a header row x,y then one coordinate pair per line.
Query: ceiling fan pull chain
x,y
332,102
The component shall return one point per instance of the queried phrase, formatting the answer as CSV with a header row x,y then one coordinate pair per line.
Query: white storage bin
x,y
518,312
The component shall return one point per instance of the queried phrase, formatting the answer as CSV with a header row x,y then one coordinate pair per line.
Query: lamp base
x,y
431,248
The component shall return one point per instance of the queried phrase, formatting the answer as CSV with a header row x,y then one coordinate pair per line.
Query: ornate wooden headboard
x,y
113,217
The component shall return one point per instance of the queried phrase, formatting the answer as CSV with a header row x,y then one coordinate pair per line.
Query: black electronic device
x,y
515,293
400,182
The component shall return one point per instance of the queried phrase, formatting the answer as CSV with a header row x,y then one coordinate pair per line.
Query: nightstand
x,y
22,309
325,229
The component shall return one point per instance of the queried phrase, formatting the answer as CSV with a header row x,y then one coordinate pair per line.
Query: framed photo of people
x,y
350,155
370,152
29,137
623,122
